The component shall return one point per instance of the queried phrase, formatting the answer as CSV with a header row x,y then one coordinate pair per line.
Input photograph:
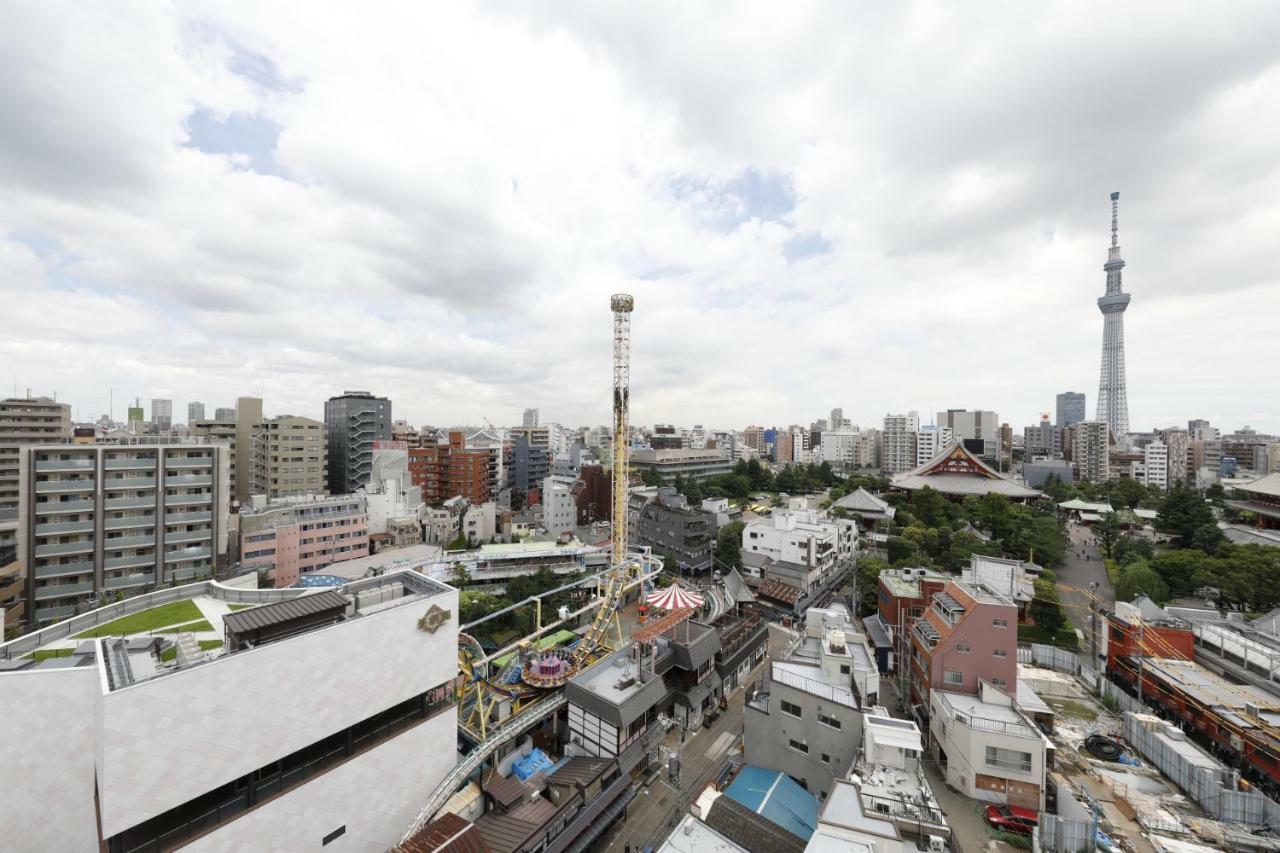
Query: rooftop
x,y
992,716
844,827
773,795
694,836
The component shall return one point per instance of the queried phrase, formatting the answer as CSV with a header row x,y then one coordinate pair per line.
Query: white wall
x,y
173,738
46,760
376,795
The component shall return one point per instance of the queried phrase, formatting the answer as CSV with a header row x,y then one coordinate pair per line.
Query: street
x,y
1079,574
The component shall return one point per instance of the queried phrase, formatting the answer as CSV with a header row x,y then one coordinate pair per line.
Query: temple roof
x,y
956,471
862,501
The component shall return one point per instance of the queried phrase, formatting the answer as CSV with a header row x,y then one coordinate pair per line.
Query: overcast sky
x,y
878,206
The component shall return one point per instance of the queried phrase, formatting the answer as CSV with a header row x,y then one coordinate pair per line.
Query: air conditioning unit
x,y
937,844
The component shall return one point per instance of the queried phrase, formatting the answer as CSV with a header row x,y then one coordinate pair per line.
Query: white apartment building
x,y
331,728
930,441
898,442
559,509
1089,451
802,548
987,748
847,447
101,520
1155,459
390,495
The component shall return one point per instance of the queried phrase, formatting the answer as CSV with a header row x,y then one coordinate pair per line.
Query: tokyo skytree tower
x,y
1113,398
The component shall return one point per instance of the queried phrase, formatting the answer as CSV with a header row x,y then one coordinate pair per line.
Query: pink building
x,y
967,634
290,536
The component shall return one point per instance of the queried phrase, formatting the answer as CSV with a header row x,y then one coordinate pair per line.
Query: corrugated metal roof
x,y
267,615
504,834
749,830
447,834
507,790
580,771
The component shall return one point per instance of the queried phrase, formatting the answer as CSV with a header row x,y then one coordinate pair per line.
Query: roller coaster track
x,y
508,729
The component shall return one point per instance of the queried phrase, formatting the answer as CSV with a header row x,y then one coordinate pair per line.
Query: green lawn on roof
x,y
202,625
44,654
173,613
234,607
171,653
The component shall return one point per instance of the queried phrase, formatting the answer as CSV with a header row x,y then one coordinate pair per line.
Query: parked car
x,y
1011,819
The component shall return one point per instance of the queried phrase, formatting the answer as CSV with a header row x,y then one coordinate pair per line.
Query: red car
x,y
1011,819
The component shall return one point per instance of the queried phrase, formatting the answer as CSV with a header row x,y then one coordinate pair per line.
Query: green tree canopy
x,y
729,545
1138,577
1189,518
1046,608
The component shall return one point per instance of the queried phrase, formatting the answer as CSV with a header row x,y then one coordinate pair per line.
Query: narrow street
x,y
1082,568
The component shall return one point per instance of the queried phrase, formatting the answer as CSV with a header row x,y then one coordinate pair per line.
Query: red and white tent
x,y
674,597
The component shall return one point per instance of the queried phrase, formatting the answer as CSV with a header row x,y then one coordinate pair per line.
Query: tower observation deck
x,y
1113,396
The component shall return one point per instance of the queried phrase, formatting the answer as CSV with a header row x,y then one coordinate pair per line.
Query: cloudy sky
x,y
881,206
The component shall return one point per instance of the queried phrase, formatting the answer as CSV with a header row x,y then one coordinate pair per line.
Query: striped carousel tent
x,y
674,597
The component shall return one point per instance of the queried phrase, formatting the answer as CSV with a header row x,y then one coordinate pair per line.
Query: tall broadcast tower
x,y
622,305
1113,398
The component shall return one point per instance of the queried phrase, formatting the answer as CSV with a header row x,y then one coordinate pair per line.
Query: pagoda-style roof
x,y
956,472
862,502
1267,487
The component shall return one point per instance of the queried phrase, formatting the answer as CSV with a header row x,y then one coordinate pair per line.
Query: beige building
x,y
291,457
1090,451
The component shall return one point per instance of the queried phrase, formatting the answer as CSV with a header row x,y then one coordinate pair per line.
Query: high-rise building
x,y
248,416
224,413
898,442
1177,445
1155,463
1090,451
1044,439
195,412
162,414
100,520
530,418
838,420
1113,396
977,430
137,418
930,440
1071,408
354,420
290,457
23,420
753,437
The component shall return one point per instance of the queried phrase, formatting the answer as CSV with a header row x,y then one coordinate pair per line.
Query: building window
x,y
798,746
953,676
826,759
790,708
828,721
1009,759
844,669
998,682
963,648
1000,653
1000,623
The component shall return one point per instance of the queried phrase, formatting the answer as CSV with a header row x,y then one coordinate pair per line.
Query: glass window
x,y
953,676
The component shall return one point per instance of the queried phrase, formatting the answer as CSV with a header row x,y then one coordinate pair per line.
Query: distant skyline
x,y
873,208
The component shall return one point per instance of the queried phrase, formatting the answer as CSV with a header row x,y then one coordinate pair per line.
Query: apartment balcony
x,y
188,461
189,480
85,547
47,615
926,633
136,561
71,465
47,593
188,536
84,567
51,507
186,517
117,483
187,500
128,523
48,487
129,463
64,527
129,580
129,503
119,542
199,553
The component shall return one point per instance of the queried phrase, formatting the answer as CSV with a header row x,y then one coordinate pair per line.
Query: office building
x,y
663,520
930,441
690,464
1113,396
290,457
354,421
1070,408
898,442
1042,440
320,721
559,509
224,413
109,520
162,415
136,422
1178,445
1090,451
1155,464
530,418
223,431
838,420
288,537
977,430
195,412
248,416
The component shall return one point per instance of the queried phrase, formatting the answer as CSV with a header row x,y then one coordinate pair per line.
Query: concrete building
x,y
1070,408
1038,471
248,416
224,413
930,441
977,430
195,412
292,536
136,420
23,421
162,415
1090,451
663,520
530,465
690,464
1043,440
800,555
559,509
898,442
97,521
392,502
261,752
291,457
1155,463
901,598
987,748
354,421
530,418
967,634
805,720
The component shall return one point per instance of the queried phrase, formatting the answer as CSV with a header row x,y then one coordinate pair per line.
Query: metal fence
x,y
1066,835
1123,701
1208,782
1050,657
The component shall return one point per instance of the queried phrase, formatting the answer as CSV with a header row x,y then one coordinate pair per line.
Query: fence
x,y
76,624
1066,835
1123,701
1204,779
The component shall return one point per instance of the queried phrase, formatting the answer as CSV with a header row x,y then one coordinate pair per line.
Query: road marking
x,y
720,744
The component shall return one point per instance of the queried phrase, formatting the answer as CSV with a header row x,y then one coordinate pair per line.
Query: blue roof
x,y
320,580
775,796
524,767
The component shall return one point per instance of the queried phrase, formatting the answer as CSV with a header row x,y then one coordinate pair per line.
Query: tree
x,y
460,576
1178,569
1057,490
476,604
1046,609
1107,530
1127,492
1139,578
458,543
932,508
869,569
729,545
1189,518
1130,548
761,479
900,549
651,477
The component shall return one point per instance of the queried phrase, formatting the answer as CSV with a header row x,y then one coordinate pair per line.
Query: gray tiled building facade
x,y
354,421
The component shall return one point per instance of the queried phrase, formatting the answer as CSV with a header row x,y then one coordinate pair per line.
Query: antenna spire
x,y
1115,219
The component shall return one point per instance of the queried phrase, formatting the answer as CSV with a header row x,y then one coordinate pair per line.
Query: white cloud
x,y
455,191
